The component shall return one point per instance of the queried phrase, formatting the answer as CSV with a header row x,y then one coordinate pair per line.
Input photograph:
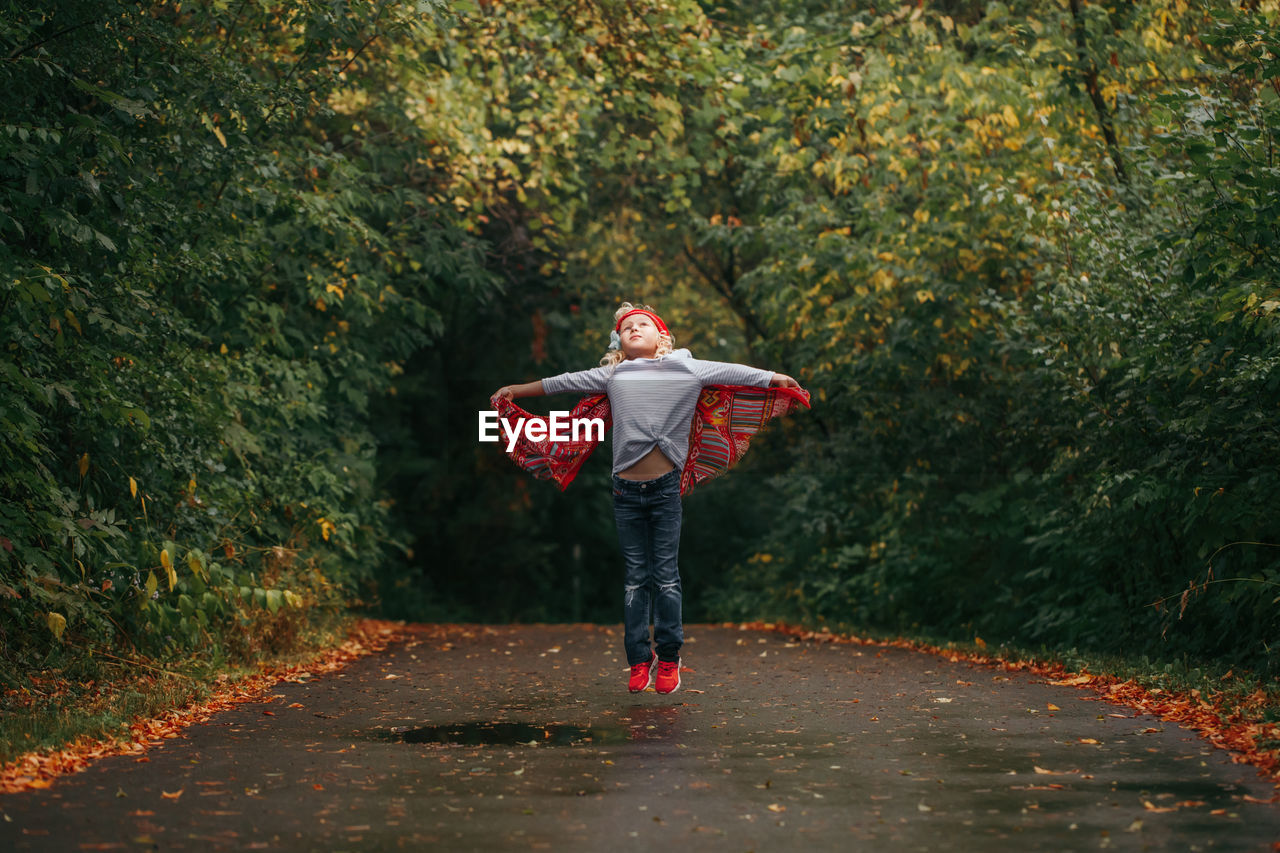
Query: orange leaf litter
x,y
38,769
1225,728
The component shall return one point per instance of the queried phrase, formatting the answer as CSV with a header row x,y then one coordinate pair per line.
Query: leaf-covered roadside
x,y
1246,722
38,769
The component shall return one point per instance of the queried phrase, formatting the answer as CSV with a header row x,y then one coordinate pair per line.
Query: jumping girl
x,y
655,393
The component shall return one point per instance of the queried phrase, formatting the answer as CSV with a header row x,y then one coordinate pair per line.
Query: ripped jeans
x,y
648,514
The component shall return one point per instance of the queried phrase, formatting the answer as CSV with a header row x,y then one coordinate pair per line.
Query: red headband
x,y
657,321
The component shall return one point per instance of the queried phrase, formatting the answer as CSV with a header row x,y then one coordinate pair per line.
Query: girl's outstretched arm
x,y
528,389
782,380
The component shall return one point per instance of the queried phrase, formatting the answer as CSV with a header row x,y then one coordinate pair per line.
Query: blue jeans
x,y
648,514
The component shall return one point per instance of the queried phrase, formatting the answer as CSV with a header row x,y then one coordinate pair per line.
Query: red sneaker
x,y
642,674
668,680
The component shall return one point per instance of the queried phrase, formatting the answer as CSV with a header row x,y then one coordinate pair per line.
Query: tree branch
x,y
1089,71
18,51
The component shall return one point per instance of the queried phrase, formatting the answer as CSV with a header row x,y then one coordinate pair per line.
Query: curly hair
x,y
666,344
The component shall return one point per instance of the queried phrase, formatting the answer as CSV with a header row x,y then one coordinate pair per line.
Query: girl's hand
x,y
782,380
506,392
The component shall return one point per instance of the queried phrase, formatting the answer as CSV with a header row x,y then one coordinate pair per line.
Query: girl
x,y
654,392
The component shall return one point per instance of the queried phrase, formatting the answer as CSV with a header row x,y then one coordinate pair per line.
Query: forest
x,y
262,262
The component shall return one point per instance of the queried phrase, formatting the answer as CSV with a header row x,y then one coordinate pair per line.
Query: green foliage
x,y
1050,347
219,246
1023,255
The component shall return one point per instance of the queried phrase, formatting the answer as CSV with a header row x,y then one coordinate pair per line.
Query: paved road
x,y
524,737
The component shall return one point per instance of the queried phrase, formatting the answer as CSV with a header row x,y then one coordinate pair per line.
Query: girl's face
x,y
639,336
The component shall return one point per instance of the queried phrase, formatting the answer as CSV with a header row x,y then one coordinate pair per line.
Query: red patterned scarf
x,y
727,417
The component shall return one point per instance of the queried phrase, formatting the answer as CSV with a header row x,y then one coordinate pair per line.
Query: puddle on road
x,y
495,734
638,727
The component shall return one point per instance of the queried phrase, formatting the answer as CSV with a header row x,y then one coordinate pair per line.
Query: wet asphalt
x,y
525,737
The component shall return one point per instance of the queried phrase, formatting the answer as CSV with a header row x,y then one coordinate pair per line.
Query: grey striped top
x,y
653,399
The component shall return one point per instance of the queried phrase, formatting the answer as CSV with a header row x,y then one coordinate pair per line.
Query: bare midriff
x,y
650,467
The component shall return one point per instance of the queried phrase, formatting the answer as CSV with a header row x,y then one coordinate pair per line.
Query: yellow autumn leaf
x,y
133,488
165,559
57,624
173,577
84,464
222,140
191,485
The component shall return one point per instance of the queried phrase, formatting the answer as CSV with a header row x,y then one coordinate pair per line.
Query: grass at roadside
x,y
96,698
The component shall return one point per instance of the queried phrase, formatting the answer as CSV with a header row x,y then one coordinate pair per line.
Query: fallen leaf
x,y
174,795
1147,804
1073,682
1053,707
777,807
1088,740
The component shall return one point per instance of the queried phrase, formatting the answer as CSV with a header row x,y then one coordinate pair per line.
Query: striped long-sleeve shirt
x,y
653,399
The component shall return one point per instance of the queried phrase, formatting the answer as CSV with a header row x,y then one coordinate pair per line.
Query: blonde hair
x,y
666,344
